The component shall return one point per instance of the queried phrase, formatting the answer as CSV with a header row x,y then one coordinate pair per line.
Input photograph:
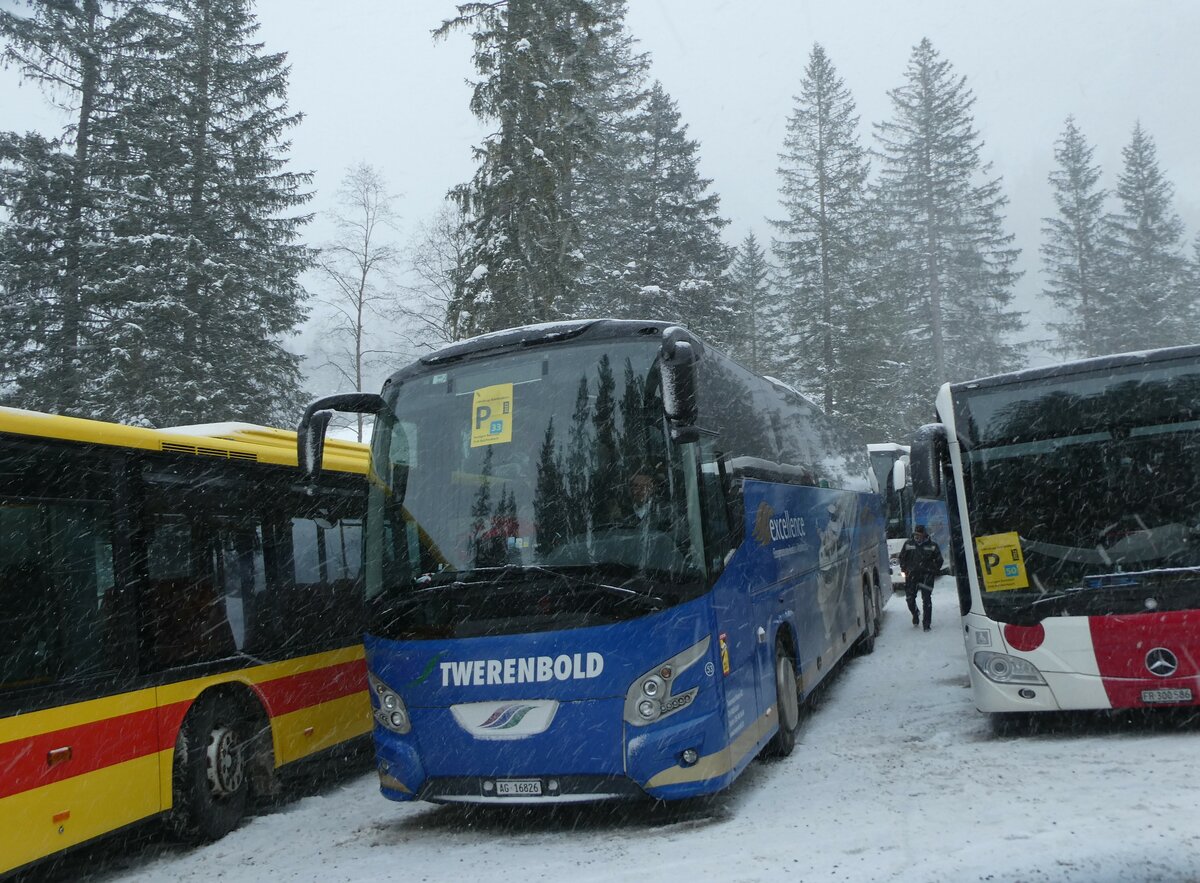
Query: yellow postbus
x,y
180,615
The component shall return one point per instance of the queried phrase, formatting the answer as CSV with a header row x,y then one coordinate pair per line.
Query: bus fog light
x,y
1026,693
552,785
689,756
648,709
653,687
391,713
1004,669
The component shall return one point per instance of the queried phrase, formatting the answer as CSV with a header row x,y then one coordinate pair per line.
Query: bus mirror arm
x,y
927,460
310,434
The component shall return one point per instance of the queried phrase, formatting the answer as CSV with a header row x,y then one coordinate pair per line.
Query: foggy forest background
x,y
155,267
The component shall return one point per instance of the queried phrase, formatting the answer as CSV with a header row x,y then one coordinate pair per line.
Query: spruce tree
x,y
602,184
208,251
1149,304
1072,245
951,262
673,259
535,59
755,327
60,195
823,172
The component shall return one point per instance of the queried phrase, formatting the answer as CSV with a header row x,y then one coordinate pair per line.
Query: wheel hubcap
x,y
224,762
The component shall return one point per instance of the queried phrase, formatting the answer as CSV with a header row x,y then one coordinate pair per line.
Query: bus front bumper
x,y
667,760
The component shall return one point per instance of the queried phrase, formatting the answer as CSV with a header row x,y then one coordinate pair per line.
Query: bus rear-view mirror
x,y
310,434
927,459
680,352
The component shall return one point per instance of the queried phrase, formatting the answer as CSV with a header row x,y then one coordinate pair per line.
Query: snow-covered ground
x,y
896,777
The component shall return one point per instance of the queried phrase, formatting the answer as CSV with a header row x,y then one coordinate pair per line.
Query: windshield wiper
x,y
505,574
1059,596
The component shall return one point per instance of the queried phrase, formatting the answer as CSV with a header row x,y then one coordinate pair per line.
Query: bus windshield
x,y
530,491
1098,475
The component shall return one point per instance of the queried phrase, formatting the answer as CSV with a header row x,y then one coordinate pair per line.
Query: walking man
x,y
921,561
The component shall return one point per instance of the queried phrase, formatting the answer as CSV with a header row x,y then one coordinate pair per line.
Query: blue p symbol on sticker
x,y
497,427
1010,570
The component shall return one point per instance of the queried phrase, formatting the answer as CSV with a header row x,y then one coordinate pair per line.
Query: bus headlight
x,y
1005,669
391,712
651,697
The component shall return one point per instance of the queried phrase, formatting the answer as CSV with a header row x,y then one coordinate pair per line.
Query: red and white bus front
x,y
1075,495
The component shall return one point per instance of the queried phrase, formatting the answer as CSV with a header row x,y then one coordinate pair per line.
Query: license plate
x,y
519,788
1181,695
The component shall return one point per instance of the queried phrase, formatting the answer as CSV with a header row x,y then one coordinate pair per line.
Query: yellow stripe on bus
x,y
318,727
61,814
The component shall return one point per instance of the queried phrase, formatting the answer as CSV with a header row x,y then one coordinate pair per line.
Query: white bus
x,y
1074,501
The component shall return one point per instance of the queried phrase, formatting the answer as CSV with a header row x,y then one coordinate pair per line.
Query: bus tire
x,y
787,702
210,779
877,593
866,643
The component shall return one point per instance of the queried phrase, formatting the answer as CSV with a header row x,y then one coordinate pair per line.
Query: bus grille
x,y
175,448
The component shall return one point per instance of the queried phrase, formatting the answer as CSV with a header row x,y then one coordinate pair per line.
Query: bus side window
x,y
184,603
327,579
241,574
56,572
722,528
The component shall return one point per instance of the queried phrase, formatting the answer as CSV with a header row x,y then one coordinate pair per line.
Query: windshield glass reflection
x,y
542,475
1099,477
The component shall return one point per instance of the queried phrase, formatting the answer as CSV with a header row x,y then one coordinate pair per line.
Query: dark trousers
x,y
910,595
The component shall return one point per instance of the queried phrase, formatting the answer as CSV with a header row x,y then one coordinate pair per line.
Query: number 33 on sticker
x,y
492,415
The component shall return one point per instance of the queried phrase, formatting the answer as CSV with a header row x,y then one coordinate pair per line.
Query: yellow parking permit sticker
x,y
1003,563
491,415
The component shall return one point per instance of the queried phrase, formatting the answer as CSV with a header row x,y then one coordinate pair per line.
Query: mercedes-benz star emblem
x,y
1162,662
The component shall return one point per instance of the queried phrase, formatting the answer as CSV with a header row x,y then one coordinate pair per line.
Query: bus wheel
x,y
877,594
210,775
787,702
866,644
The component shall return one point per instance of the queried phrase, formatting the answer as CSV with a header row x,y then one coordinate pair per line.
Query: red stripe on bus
x,y
294,692
118,739
1123,645
26,765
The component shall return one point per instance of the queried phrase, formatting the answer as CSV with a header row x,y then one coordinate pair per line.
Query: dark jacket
x,y
921,562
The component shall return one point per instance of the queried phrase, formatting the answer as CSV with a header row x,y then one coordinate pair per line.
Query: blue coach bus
x,y
604,560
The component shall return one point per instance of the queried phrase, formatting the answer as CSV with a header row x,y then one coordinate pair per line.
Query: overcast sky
x,y
374,87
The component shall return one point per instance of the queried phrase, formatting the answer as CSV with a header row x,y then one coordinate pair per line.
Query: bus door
x,y
739,647
77,743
